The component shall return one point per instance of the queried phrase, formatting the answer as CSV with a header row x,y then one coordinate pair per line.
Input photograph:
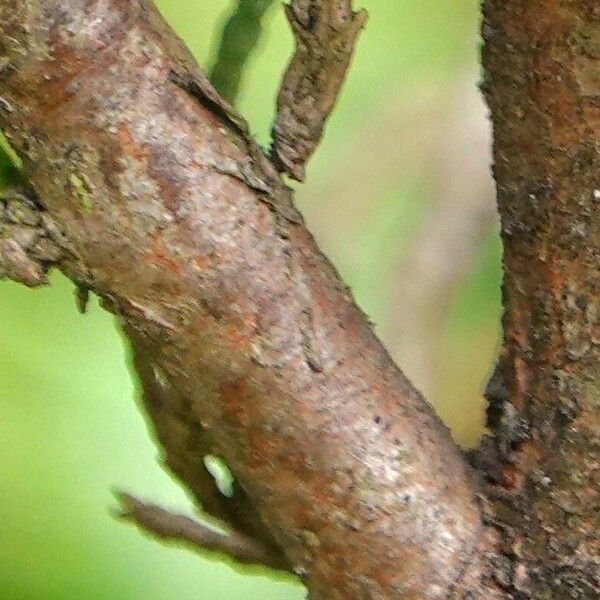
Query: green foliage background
x,y
69,428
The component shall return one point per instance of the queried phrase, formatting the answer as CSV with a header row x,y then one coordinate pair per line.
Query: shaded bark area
x,y
249,346
29,244
542,83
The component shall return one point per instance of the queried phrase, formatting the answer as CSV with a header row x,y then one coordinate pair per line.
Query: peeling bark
x,y
254,349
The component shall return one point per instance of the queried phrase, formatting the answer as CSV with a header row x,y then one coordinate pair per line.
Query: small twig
x,y
184,454
241,34
325,32
173,527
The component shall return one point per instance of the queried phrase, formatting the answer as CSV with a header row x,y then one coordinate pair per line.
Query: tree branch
x,y
179,528
185,445
241,33
184,229
325,32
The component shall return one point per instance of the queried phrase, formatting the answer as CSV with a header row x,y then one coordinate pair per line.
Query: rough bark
x,y
325,32
29,245
250,346
542,83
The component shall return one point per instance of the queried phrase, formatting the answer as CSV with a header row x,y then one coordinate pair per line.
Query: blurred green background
x,y
402,168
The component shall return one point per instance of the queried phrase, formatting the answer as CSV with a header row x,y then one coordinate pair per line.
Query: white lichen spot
x,y
221,473
160,377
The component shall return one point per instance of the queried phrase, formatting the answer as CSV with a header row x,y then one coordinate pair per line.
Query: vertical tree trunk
x,y
542,83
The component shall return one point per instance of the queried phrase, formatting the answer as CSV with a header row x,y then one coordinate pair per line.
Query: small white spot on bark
x,y
160,377
221,473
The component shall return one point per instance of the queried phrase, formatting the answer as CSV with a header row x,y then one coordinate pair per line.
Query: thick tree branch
x,y
241,34
181,225
179,528
325,32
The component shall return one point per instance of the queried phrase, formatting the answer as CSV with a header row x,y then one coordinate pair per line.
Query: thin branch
x,y
240,36
325,32
179,528
185,444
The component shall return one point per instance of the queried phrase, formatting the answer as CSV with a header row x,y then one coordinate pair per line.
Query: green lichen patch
x,y
81,190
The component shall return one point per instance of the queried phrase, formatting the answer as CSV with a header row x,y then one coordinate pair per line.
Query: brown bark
x,y
325,32
252,348
249,347
28,244
542,83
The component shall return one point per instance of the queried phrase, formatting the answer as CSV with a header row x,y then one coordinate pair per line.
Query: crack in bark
x,y
200,88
